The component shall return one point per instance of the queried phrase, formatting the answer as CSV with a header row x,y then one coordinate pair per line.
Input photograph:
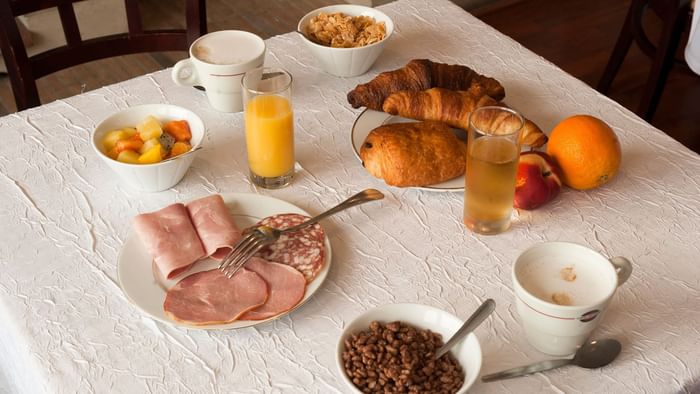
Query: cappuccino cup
x,y
562,291
218,62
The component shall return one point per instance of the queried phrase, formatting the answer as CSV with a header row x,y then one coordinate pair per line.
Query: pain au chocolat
x,y
413,154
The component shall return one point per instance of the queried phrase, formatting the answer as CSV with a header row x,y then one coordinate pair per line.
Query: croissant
x,y
452,107
421,74
413,154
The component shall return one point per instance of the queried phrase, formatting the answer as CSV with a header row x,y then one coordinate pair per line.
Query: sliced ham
x,y
209,297
214,224
287,287
170,238
303,249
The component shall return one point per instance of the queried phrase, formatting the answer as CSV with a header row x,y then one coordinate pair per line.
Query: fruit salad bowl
x,y
149,177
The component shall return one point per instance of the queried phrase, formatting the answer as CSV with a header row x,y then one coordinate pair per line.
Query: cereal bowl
x,y
346,62
149,177
467,351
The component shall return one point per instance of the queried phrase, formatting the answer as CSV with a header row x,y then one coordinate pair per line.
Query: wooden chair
x,y
23,70
675,15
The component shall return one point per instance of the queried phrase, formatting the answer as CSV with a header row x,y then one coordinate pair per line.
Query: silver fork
x,y
256,237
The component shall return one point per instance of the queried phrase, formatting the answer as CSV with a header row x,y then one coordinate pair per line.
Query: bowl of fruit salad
x,y
149,146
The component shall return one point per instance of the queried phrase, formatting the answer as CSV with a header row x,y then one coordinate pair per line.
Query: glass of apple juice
x,y
493,150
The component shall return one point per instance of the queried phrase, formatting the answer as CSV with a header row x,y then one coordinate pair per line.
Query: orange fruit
x,y
586,149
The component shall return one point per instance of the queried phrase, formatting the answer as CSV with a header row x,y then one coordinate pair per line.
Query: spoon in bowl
x,y
472,323
593,354
182,154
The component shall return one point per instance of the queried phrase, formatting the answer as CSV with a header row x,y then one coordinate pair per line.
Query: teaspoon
x,y
593,354
473,322
182,154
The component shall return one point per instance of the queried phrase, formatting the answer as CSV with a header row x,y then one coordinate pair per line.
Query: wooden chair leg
x,y
196,15
674,22
622,46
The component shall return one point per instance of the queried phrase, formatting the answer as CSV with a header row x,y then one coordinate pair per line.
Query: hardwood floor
x,y
264,18
578,36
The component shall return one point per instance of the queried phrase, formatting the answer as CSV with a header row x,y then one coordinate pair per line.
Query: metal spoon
x,y
593,354
183,154
473,322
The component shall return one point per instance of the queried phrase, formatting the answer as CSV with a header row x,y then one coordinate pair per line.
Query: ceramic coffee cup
x,y
217,62
562,291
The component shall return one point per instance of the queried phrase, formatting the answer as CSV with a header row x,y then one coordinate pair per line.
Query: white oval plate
x,y
146,292
370,119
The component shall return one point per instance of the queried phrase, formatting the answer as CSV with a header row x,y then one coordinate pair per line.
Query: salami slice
x,y
303,249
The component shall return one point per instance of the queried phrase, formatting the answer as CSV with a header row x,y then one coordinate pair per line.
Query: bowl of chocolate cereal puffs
x,y
345,39
391,348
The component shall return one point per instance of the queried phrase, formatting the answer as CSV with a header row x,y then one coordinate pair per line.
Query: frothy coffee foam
x,y
226,48
564,283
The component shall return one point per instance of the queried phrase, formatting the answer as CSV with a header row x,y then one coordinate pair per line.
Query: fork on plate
x,y
256,237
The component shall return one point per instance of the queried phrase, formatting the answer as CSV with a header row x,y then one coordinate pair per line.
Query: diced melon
x,y
110,139
128,156
179,148
134,143
149,128
130,131
113,154
153,155
179,129
149,144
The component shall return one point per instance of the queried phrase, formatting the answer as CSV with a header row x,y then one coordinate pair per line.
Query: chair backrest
x,y
24,70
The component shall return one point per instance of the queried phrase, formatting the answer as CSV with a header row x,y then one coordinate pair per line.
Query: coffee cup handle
x,y
182,65
623,268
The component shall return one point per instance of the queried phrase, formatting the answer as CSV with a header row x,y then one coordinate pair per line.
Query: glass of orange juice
x,y
493,151
269,126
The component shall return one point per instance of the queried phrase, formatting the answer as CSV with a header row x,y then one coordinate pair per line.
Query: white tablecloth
x,y
65,325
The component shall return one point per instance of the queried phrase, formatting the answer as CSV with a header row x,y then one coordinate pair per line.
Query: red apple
x,y
538,180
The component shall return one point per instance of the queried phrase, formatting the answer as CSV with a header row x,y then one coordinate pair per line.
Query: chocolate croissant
x,y
413,154
422,74
452,107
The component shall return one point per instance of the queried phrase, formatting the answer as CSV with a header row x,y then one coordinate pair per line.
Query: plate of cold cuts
x,y
369,119
168,265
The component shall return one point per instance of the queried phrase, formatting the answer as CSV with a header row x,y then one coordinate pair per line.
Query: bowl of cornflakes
x,y
150,147
346,39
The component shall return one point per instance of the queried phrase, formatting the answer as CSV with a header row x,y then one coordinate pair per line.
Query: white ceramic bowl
x,y
149,177
467,351
347,62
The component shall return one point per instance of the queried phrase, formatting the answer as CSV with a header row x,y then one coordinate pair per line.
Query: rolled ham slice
x,y
286,285
209,297
214,224
170,238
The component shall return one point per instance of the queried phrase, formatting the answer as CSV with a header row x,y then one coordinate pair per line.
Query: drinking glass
x,y
269,126
493,150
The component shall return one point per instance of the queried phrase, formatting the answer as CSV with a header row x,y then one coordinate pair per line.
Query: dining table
x,y
66,326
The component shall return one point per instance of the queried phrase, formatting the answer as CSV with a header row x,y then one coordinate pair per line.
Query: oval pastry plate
x,y
147,292
369,119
